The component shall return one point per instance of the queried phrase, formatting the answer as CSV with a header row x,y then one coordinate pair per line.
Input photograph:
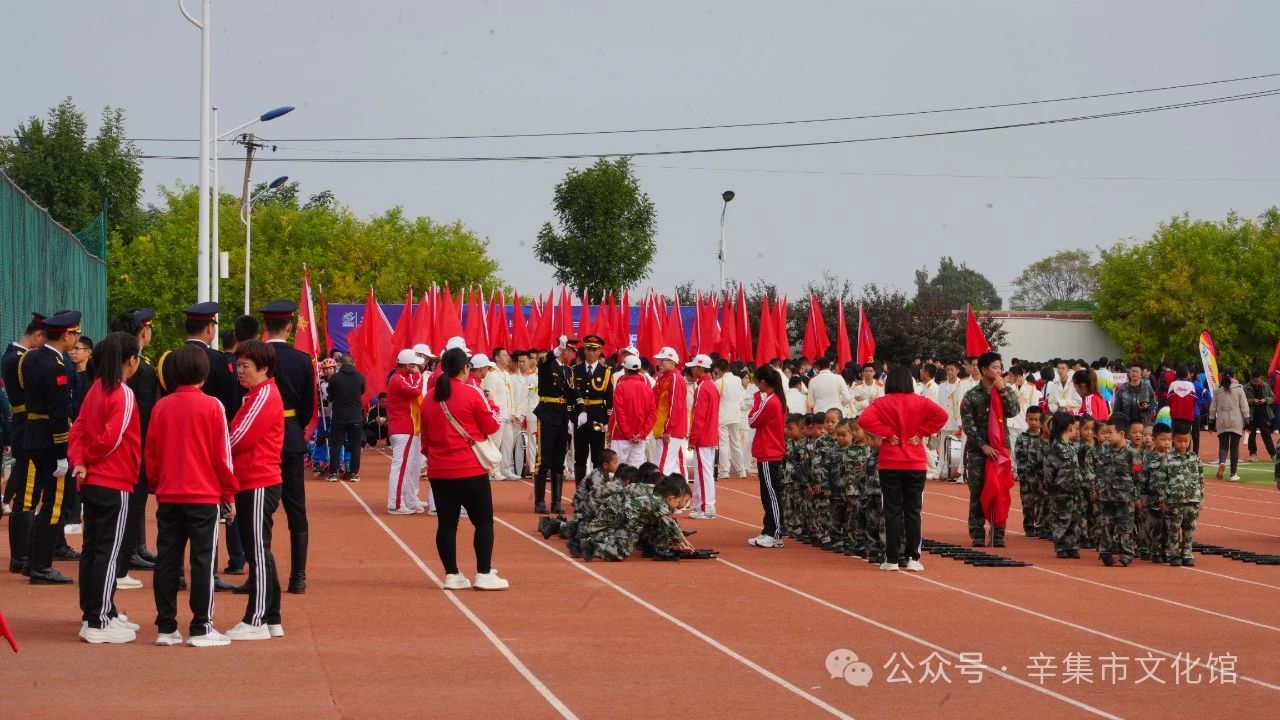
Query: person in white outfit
x,y
928,387
731,460
827,390
426,360
498,383
866,390
524,386
1061,393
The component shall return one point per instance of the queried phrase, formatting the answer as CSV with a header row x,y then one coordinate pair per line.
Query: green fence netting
x,y
45,268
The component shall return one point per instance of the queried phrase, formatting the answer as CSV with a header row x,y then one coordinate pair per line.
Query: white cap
x,y
630,350
667,353
457,342
424,350
631,362
407,357
480,360
702,361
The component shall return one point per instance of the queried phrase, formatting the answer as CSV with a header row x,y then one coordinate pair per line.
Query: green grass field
x,y
1254,473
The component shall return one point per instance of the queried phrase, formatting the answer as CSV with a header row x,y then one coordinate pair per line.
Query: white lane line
x,y
918,640
817,702
1215,508
520,667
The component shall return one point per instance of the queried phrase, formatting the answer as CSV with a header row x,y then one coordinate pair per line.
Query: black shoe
x,y
1107,559
556,509
979,542
234,570
18,567
298,562
297,584
1125,561
588,548
137,562
1188,562
49,576
1062,554
999,542
65,553
1074,554
220,585
241,589
547,527
145,553
540,508
1176,562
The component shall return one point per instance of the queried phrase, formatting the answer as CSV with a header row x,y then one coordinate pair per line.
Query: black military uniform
x,y
556,396
594,386
222,383
295,375
146,391
20,490
46,386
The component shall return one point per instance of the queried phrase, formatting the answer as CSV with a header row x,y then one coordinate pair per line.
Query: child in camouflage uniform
x,y
839,468
638,515
1028,455
1180,491
790,481
1150,519
820,490
607,480
854,453
871,507
806,480
1089,430
1115,489
1063,481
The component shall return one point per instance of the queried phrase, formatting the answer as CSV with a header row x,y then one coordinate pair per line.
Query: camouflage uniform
x,y
853,469
1181,489
975,407
1028,453
840,465
801,472
626,519
871,510
1063,480
1089,527
791,488
1150,520
1117,492
587,499
819,504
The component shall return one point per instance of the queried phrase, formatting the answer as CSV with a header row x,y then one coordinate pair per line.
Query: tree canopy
x,y
955,286
1063,281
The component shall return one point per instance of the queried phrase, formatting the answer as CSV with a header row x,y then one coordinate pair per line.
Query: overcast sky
x,y
873,212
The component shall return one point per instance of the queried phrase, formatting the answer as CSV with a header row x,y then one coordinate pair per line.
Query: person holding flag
x,y
986,447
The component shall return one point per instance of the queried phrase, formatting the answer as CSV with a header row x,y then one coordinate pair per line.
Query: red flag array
x,y
402,338
843,353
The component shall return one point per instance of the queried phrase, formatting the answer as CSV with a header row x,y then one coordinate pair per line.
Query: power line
x,y
772,146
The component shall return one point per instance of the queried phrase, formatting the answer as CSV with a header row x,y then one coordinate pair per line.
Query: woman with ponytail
x,y
768,416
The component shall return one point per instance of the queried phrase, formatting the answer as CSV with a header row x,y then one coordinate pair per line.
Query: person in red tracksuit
x,y
257,440
672,425
768,417
404,407
634,413
105,452
187,458
704,438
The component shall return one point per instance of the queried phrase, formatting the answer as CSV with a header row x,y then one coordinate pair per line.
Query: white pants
x,y
704,479
505,439
526,451
731,459
629,453
671,455
406,465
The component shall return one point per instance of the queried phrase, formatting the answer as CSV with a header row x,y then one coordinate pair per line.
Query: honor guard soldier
x,y
146,391
19,493
202,328
295,376
46,385
556,396
594,383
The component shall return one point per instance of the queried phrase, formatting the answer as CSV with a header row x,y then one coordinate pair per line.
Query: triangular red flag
x,y
519,328
809,348
673,331
710,327
843,353
422,322
1275,360
780,336
765,344
372,349
448,322
728,330
866,339
623,326
975,343
585,326
7,633
998,479
499,336
402,338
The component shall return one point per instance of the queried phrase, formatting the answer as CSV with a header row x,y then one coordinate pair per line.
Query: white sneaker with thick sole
x,y
1235,478
402,510
419,509
889,567
456,581
212,638
276,630
73,529
490,581
511,476
169,639
702,515
128,582
123,620
245,631
766,541
915,566
112,634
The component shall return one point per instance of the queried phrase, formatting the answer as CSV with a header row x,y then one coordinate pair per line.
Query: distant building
x,y
1041,335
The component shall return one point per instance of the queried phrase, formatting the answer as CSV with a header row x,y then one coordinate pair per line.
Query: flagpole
x,y
857,360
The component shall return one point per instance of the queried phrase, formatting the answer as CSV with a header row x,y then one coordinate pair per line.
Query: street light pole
x,y
727,195
246,217
214,245
202,226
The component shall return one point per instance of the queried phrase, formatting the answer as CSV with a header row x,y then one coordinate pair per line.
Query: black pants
x,y
20,493
476,496
349,435
1261,425
1229,443
587,442
903,492
293,492
771,497
254,509
51,492
553,444
106,535
176,524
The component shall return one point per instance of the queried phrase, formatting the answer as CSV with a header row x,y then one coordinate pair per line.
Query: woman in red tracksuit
x,y
404,406
704,438
105,452
768,417
457,478
633,415
188,461
257,440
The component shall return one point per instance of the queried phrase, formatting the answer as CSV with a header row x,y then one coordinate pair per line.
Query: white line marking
x,y
834,711
520,667
1215,508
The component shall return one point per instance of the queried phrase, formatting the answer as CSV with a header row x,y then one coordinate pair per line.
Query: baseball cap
x,y
407,357
667,353
702,361
631,362
629,350
424,350
480,360
457,342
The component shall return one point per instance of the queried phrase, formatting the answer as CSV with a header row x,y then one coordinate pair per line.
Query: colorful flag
x,y
998,479
1209,358
866,340
975,343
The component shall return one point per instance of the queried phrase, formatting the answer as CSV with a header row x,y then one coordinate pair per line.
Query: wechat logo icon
x,y
844,663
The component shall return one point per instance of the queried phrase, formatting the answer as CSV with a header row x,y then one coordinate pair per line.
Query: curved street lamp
x,y
727,196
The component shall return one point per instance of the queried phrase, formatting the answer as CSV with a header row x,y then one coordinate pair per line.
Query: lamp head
x,y
273,114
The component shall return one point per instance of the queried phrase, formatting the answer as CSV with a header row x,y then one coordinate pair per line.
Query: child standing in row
x,y
1115,489
1063,482
791,492
1180,491
1028,455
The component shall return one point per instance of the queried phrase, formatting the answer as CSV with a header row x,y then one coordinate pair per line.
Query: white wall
x,y
1042,338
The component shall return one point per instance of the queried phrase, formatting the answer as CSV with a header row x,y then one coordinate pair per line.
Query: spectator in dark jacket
x,y
346,388
375,427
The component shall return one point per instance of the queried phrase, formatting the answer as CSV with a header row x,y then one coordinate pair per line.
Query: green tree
x,y
56,164
1155,297
606,227
955,286
1068,276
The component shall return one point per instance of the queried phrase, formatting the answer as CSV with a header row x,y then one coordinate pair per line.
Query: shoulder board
x,y
22,380
160,370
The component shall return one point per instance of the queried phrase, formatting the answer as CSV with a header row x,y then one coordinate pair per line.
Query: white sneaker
x,y
463,513
73,529
431,512
213,638
402,510
702,515
915,566
245,631
1235,478
490,581
123,621
169,639
456,581
128,582
276,630
889,567
511,476
766,541
113,634
419,509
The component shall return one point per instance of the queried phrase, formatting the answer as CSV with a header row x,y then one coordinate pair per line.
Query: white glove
x,y
61,469
582,418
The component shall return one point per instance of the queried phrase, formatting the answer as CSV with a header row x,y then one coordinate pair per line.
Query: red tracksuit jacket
x,y
106,438
634,410
671,395
705,431
404,401
449,455
257,438
768,416
188,449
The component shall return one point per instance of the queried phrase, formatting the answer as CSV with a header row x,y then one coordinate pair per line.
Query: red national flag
x,y
766,346
448,322
623,320
402,338
305,337
499,336
370,345
566,314
843,354
673,331
585,326
710,326
649,334
423,323
519,328
780,329
7,634
998,479
975,343
866,340
1275,360
728,345
815,332
477,336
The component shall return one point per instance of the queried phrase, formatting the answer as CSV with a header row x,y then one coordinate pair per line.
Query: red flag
x,y
673,331
371,348
743,331
866,340
519,329
765,343
998,479
815,332
649,334
1275,360
324,321
728,345
422,323
710,327
496,323
402,338
607,325
448,323
623,328
780,329
843,354
585,326
7,633
566,314
476,337
305,337
975,343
